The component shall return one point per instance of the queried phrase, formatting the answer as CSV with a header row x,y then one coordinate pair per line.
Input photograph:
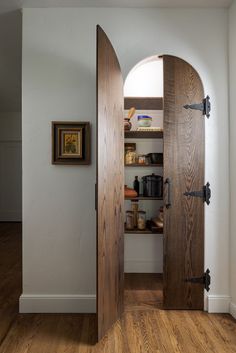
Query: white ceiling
x,y
7,5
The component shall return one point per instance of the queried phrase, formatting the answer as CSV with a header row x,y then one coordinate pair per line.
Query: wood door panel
x,y
184,143
110,185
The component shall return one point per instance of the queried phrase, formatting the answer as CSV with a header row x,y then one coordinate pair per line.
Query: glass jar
x,y
134,207
130,153
141,159
130,156
141,220
129,220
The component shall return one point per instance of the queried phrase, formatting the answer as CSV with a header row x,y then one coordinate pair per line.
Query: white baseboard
x,y
218,303
232,309
31,303
134,266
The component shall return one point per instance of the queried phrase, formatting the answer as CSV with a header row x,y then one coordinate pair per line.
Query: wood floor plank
x,y
144,327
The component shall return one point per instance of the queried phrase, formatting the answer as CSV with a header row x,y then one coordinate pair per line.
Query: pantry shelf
x,y
143,165
146,231
143,198
144,134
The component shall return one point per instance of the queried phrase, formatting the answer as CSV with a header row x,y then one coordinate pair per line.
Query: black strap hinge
x,y
205,280
204,107
205,193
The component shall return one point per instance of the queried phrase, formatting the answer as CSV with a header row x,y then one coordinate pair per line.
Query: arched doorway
x,y
160,87
175,124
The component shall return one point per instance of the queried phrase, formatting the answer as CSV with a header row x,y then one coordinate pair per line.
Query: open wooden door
x,y
184,146
110,186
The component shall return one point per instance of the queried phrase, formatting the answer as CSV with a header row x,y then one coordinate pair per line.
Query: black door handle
x,y
168,184
96,197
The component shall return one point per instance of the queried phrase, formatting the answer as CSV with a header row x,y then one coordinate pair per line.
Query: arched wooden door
x,y
110,185
184,146
184,143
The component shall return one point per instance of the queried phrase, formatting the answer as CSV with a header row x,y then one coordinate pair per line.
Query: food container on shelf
x,y
141,220
155,158
152,185
144,120
130,192
130,153
129,225
142,159
134,207
127,124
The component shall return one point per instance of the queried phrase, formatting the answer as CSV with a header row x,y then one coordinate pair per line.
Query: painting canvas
x,y
71,143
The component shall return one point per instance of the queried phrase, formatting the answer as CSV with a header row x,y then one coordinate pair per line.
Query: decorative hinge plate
x,y
204,107
205,193
205,280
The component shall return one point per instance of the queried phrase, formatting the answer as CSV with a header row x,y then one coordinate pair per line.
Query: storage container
x,y
152,185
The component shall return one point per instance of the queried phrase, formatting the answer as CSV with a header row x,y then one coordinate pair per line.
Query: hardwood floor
x,y
143,291
144,327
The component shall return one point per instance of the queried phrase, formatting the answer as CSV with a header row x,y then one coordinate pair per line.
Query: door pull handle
x,y
168,184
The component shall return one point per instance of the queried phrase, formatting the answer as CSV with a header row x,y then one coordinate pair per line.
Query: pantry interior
x,y
143,159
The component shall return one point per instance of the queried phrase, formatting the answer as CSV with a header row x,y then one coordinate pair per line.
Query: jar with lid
x,y
129,220
134,206
130,155
142,159
141,220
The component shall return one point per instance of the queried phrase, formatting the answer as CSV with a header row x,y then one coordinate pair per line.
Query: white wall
x,y
10,116
145,79
59,83
232,82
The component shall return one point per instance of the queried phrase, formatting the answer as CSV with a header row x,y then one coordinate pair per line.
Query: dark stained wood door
x,y
110,185
184,143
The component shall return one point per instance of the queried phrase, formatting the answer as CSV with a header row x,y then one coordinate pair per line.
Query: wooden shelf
x,y
146,231
144,103
143,198
144,165
144,134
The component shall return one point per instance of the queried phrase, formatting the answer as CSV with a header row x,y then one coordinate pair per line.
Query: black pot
x,y
155,158
152,185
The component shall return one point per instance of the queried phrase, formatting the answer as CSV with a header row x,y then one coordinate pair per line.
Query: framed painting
x,y
70,142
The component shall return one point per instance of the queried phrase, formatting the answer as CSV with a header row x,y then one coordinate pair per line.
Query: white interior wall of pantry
x,y
59,83
145,79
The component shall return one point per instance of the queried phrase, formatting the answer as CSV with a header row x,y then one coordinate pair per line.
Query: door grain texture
x,y
110,186
184,143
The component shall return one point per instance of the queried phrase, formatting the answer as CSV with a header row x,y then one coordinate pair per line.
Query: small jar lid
x,y
130,148
146,117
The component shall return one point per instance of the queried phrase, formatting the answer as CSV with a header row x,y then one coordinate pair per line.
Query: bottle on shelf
x,y
136,185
